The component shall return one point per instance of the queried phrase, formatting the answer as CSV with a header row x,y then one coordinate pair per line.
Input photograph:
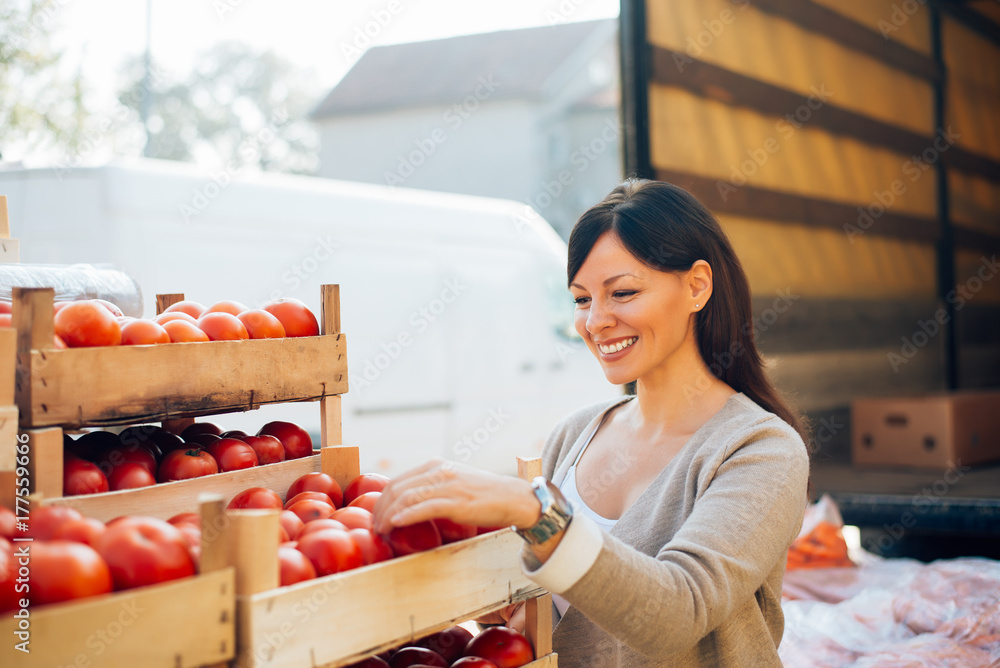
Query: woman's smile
x,y
614,349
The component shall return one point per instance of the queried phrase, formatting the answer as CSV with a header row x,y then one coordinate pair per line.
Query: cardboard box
x,y
937,431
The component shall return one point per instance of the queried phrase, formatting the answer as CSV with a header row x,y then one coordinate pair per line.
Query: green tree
x,y
41,107
239,107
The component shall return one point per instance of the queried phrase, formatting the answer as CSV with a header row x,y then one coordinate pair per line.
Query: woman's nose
x,y
600,317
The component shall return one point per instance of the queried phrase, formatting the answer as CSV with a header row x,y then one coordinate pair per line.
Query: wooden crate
x,y
164,500
8,416
130,384
180,624
9,248
338,619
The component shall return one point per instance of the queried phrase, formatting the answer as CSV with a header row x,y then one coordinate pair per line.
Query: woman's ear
x,y
699,281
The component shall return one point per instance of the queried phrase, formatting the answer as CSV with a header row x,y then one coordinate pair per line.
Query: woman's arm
x,y
738,532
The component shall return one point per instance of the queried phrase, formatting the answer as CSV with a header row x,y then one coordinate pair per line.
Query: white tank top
x,y
572,494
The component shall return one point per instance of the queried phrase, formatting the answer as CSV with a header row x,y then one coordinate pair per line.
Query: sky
x,y
324,35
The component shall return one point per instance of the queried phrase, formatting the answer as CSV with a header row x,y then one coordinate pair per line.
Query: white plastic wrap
x,y
78,281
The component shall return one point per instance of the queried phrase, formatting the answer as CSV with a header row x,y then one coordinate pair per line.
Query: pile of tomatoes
x,y
98,322
143,455
72,556
327,530
456,647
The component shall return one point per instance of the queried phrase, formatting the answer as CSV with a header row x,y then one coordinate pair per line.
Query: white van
x,y
459,324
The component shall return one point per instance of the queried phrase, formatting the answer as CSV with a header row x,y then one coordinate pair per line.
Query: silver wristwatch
x,y
556,513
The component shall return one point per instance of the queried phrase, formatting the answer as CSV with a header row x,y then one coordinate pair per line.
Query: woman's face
x,y
634,318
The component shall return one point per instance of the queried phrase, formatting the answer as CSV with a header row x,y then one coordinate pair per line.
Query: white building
x,y
529,115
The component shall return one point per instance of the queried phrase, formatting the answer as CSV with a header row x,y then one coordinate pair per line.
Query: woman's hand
x,y
442,488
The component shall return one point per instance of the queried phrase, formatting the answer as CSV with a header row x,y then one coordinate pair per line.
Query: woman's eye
x,y
581,300
623,293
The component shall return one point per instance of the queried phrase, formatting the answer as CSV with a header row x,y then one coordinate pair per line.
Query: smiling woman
x,y
682,500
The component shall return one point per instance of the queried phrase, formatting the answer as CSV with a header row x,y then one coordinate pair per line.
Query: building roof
x,y
445,71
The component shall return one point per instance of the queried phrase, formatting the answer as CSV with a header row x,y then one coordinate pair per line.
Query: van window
x,y
560,303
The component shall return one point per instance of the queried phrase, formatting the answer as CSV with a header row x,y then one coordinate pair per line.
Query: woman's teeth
x,y
621,345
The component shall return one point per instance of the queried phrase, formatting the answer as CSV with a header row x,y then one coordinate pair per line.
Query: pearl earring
x,y
697,305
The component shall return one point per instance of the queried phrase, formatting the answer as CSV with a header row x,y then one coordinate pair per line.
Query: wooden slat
x,y
45,462
739,90
167,300
9,250
165,500
4,218
972,20
253,532
757,202
32,318
8,437
127,384
181,624
330,309
824,21
331,420
342,463
8,355
308,624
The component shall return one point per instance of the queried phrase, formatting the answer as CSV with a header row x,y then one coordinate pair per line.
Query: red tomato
x,y
112,308
268,448
331,551
452,532
232,454
6,320
256,497
226,306
296,440
295,566
294,316
449,643
414,538
59,343
130,475
167,442
143,551
353,517
170,316
370,662
58,306
203,440
222,327
473,662
184,332
114,457
481,530
417,656
143,332
200,428
85,530
82,477
291,522
319,525
317,482
92,445
63,570
238,434
8,574
309,509
6,306
184,464
315,496
185,518
373,548
43,522
261,325
366,482
192,538
503,646
87,323
366,501
193,309
8,522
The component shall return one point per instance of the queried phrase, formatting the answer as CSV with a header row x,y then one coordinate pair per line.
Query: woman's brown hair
x,y
668,229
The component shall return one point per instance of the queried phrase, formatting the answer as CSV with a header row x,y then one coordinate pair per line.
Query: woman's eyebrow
x,y
607,282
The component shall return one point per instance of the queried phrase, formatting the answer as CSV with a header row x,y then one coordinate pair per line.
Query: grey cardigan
x,y
691,573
